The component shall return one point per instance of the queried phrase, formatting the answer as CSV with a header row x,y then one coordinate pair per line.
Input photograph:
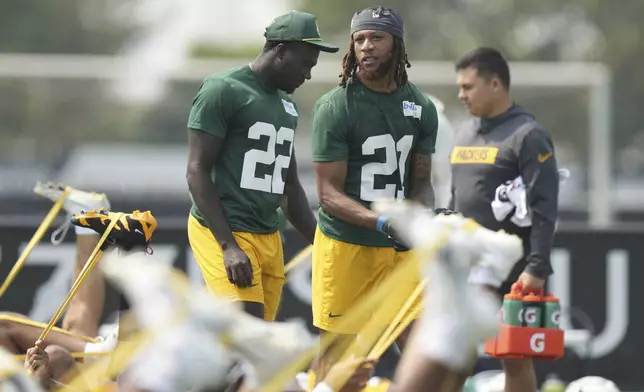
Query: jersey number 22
x,y
268,183
368,191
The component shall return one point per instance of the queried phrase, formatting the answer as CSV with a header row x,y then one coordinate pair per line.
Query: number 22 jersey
x,y
257,124
376,133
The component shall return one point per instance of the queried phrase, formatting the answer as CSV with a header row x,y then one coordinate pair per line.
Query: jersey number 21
x,y
368,191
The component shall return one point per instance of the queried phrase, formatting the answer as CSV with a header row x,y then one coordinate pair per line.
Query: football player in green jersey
x,y
241,166
372,137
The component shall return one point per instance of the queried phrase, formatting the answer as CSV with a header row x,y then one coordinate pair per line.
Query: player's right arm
x,y
207,127
330,154
202,154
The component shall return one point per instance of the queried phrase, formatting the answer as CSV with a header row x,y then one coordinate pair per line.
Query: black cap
x,y
378,18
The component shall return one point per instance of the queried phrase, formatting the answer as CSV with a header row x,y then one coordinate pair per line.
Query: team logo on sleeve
x,y
289,107
411,109
474,155
544,157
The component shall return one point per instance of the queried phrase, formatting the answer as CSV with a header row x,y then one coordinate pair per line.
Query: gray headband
x,y
378,18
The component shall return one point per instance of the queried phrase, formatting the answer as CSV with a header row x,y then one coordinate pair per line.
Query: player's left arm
x,y
538,169
420,185
295,205
420,174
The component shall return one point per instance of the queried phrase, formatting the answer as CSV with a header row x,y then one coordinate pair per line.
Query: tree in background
x,y
41,113
63,26
49,111
555,30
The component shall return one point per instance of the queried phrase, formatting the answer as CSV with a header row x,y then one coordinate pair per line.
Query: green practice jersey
x,y
258,125
376,133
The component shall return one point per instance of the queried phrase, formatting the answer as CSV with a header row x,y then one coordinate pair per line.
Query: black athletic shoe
x,y
132,231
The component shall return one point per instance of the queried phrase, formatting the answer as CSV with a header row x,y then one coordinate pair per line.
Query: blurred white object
x,y
216,334
592,384
491,381
184,352
263,347
496,252
140,277
578,340
441,167
77,201
453,323
182,358
168,31
107,329
162,48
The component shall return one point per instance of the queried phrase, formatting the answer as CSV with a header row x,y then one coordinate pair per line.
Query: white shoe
x,y
77,201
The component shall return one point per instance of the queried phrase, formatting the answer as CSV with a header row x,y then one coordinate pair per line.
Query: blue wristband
x,y
380,222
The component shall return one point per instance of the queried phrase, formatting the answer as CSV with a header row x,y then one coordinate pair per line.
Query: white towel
x,y
512,195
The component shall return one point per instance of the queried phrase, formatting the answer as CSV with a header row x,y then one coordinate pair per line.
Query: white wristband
x,y
322,387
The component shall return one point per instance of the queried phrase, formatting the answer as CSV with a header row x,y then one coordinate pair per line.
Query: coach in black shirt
x,y
503,142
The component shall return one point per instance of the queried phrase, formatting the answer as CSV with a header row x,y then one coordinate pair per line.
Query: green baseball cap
x,y
298,26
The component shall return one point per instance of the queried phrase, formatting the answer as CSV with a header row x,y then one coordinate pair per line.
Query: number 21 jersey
x,y
376,133
257,124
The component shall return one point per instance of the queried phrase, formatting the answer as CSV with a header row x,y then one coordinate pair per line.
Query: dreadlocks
x,y
401,63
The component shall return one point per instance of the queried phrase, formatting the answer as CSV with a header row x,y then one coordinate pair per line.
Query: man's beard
x,y
380,72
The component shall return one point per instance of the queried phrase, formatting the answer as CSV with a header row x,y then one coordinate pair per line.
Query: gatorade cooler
x,y
533,333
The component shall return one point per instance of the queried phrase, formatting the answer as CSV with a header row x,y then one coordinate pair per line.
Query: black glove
x,y
399,245
444,211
